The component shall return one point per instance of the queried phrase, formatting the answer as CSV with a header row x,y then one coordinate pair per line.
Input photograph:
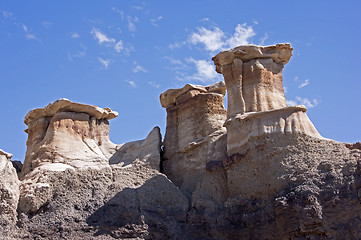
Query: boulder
x,y
9,191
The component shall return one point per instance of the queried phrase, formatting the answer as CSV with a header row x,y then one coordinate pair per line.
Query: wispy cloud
x,y
176,45
75,35
204,19
120,12
212,39
304,84
215,39
173,61
119,46
131,23
101,37
204,71
241,36
47,24
303,101
104,62
155,21
263,39
131,83
79,54
29,35
138,68
153,84
6,14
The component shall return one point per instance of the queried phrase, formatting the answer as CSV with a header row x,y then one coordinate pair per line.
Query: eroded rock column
x,y
256,99
68,133
253,75
195,118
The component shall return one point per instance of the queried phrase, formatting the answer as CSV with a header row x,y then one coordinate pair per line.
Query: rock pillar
x,y
195,118
253,76
256,99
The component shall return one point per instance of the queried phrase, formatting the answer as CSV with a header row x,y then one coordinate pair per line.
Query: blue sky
x,y
124,54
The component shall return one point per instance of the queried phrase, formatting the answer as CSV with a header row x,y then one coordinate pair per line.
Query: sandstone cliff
x,y
258,170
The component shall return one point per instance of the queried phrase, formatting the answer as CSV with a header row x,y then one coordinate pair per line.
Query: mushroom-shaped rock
x,y
70,133
253,75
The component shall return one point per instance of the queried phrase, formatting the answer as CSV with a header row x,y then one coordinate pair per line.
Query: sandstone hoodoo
x,y
258,170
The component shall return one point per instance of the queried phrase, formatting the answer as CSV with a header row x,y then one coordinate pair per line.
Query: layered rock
x,y
69,133
256,100
253,75
9,191
73,135
195,118
288,120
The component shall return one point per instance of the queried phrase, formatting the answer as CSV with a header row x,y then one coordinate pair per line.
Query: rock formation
x,y
256,100
195,118
9,191
257,171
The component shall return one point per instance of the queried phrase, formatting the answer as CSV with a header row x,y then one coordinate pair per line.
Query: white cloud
x,y
291,102
104,62
296,79
101,37
155,21
119,46
285,89
175,45
204,71
216,40
153,84
138,68
304,84
79,54
263,39
7,14
204,19
241,36
121,13
131,23
173,61
303,101
75,35
212,39
47,24
131,83
25,28
30,36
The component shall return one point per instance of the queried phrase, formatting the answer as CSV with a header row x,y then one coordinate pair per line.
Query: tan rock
x,y
145,151
279,53
253,76
77,135
288,120
262,85
195,117
9,191
64,105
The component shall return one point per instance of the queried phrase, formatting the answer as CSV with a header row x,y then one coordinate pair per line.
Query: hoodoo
x,y
258,170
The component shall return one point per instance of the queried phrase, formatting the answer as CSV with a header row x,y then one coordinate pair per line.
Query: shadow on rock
x,y
154,209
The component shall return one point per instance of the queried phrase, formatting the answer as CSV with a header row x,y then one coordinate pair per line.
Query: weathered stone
x,y
288,120
64,105
145,151
77,135
73,138
279,53
253,75
9,191
195,117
